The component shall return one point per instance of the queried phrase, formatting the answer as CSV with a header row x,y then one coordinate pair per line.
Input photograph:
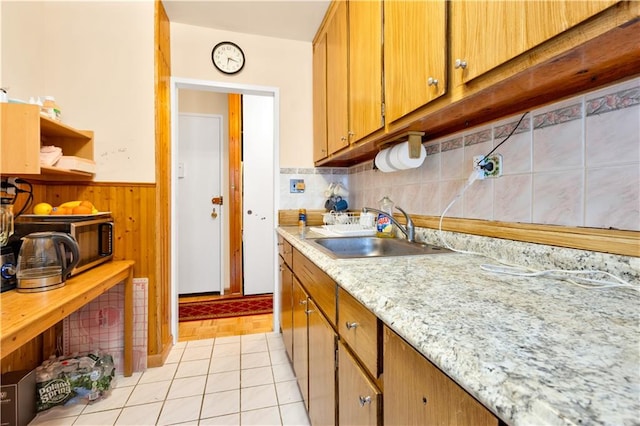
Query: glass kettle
x,y
45,261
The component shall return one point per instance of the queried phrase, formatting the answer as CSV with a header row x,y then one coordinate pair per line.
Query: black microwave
x,y
94,235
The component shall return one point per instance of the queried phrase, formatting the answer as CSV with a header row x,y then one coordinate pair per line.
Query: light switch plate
x,y
296,185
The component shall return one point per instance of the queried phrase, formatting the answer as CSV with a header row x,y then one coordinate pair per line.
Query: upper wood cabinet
x,y
347,87
320,98
337,81
487,33
365,68
415,50
510,57
24,130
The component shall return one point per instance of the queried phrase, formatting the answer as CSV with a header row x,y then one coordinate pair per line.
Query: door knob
x,y
249,211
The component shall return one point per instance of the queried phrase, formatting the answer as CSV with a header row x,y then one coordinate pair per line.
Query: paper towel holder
x,y
414,139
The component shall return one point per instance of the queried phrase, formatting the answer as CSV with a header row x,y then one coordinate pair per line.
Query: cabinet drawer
x,y
360,400
360,329
321,288
286,250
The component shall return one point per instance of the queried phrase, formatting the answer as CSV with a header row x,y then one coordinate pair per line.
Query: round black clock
x,y
227,57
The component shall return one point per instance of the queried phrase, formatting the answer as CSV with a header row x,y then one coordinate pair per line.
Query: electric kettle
x,y
45,261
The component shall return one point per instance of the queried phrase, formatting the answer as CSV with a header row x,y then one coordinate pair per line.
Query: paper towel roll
x,y
403,161
397,158
382,161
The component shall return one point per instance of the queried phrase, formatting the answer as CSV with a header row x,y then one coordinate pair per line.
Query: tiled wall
x,y
316,180
572,163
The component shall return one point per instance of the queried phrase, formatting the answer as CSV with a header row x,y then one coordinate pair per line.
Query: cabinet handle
x,y
343,138
303,302
432,81
364,400
309,311
424,400
351,325
460,63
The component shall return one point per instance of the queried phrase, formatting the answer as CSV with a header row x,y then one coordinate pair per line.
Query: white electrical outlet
x,y
491,167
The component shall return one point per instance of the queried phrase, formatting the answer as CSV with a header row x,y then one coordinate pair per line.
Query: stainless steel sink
x,y
354,247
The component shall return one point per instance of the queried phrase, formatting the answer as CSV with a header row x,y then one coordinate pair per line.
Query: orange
x,y
60,211
81,210
87,203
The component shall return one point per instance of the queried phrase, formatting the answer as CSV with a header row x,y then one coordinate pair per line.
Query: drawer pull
x,y
364,400
309,311
351,325
303,302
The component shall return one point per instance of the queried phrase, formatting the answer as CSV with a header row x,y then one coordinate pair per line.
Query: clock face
x,y
228,57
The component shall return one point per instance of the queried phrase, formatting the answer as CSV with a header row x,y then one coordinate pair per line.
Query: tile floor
x,y
238,380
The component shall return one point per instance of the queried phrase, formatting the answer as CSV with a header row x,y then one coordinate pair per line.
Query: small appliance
x,y
10,190
93,234
45,261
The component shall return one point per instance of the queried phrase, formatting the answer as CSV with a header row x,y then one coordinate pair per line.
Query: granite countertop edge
x,y
532,350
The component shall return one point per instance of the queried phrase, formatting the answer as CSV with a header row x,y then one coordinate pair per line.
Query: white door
x,y
258,233
199,232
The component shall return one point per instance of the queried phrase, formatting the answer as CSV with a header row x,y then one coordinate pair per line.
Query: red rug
x,y
225,308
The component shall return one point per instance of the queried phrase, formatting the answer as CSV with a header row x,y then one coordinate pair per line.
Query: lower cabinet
x,y
322,368
301,340
286,303
418,393
343,357
360,401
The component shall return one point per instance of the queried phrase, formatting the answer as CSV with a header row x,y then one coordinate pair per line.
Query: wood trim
x,y
625,243
160,338
235,193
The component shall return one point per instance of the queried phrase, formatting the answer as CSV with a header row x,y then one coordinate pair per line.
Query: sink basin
x,y
354,247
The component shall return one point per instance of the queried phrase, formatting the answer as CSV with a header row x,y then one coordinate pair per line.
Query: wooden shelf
x,y
25,130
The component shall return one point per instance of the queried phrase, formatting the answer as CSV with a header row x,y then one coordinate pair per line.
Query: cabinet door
x,y
358,327
360,401
322,368
365,68
487,33
300,340
320,98
418,393
337,95
286,307
414,52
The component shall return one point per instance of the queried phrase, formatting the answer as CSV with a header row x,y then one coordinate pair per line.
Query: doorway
x,y
270,93
199,223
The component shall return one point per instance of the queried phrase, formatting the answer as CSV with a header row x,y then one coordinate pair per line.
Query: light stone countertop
x,y
533,350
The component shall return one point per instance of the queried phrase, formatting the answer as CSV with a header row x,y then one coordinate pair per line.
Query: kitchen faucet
x,y
409,231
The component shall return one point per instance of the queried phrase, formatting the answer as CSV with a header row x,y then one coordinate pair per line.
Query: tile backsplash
x,y
572,163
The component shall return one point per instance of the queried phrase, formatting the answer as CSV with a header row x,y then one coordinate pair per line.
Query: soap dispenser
x,y
384,225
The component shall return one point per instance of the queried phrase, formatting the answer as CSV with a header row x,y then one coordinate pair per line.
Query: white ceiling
x,y
288,19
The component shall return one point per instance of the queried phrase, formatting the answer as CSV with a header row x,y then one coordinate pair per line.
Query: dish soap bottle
x,y
384,226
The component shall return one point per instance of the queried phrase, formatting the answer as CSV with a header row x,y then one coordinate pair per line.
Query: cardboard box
x,y
17,398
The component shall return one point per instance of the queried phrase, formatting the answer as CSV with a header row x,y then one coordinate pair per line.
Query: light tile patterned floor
x,y
237,380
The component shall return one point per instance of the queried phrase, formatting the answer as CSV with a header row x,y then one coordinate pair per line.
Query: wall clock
x,y
227,57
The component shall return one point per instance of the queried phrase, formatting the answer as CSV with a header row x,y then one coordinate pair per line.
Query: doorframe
x,y
219,87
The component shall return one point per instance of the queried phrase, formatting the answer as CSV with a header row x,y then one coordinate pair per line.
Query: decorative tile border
x,y
504,130
451,144
613,101
558,116
433,149
314,171
478,137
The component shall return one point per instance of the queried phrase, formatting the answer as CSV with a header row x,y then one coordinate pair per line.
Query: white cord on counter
x,y
516,270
